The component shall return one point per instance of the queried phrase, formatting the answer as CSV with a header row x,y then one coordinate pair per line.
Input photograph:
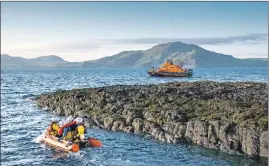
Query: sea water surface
x,y
22,123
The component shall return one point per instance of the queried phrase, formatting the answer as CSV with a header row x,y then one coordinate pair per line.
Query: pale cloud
x,y
240,50
107,50
253,38
256,47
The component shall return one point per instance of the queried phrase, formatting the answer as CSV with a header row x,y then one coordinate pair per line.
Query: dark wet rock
x,y
118,125
231,117
108,122
138,125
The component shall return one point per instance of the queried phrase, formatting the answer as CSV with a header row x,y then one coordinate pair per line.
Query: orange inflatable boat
x,y
69,146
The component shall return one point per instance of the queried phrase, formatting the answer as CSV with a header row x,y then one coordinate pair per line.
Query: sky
x,y
80,31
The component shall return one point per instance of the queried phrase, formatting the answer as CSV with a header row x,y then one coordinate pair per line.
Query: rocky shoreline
x,y
231,117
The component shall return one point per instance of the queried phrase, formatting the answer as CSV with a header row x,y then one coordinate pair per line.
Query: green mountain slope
x,y
50,61
197,57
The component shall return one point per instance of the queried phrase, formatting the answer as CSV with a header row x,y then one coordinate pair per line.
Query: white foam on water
x,y
43,146
4,130
59,155
38,139
80,154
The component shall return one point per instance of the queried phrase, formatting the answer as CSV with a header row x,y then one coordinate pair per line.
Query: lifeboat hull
x,y
67,146
60,145
189,73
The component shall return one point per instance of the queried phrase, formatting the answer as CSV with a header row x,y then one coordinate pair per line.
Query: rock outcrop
x,y
231,117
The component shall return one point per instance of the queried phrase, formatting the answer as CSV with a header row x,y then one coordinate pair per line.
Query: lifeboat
x,y
168,69
68,146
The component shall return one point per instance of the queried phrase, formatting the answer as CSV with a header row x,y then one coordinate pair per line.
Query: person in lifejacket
x,y
54,127
80,130
67,131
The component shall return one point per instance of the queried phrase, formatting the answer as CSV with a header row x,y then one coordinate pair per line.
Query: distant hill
x,y
13,62
50,61
197,57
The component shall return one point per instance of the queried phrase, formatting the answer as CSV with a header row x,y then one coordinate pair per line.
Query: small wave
x,y
12,102
59,155
13,114
28,96
17,92
4,130
80,154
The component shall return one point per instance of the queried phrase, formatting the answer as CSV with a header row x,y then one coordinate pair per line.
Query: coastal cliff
x,y
231,117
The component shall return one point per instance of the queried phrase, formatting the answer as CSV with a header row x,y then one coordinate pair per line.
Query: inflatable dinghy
x,y
67,146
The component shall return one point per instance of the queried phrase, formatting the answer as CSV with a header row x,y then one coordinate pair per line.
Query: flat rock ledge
x,y
231,117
